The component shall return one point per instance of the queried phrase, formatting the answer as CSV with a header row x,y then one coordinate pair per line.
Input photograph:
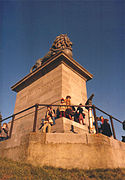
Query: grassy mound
x,y
15,170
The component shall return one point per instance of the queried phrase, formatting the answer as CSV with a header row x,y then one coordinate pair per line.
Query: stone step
x,y
64,125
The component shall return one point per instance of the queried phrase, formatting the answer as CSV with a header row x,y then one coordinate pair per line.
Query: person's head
x,y
98,119
80,104
68,97
51,107
4,125
101,118
62,100
106,120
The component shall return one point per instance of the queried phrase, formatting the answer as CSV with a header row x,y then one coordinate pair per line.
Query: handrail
x,y
108,114
58,105
17,113
87,106
41,105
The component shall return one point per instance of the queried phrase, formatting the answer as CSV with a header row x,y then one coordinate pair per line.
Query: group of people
x,y
104,126
3,132
66,109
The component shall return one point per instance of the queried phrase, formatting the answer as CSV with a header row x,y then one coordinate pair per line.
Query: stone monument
x,y
55,76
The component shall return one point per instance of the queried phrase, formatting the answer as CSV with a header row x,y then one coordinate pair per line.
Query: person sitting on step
x,y
52,114
48,121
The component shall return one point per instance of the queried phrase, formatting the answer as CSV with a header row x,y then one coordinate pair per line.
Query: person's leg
x,y
80,121
60,114
53,118
70,114
83,121
44,128
99,130
64,115
49,128
70,117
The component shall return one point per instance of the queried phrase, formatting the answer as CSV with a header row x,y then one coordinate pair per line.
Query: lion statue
x,y
61,43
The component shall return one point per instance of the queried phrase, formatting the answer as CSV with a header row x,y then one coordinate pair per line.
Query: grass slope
x,y
10,170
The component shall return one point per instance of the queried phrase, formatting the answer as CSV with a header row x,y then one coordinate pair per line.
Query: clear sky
x,y
97,30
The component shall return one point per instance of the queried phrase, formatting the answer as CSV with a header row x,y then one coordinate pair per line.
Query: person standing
x,y
68,107
81,115
106,130
62,108
99,123
102,119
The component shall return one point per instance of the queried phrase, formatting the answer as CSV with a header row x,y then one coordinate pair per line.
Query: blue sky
x,y
97,30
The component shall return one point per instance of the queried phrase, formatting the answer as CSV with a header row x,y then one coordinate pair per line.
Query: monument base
x,y
66,150
64,125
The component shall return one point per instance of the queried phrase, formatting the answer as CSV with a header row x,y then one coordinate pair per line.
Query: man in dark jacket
x,y
106,130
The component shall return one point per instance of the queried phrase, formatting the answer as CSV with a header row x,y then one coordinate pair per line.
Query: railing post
x,y
113,130
35,118
11,127
91,129
96,125
0,119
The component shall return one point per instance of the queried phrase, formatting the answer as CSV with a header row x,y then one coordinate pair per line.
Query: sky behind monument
x,y
97,30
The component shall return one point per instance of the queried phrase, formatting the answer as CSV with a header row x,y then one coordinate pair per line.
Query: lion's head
x,y
61,42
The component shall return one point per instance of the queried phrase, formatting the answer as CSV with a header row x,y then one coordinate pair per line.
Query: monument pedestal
x,y
64,125
66,150
58,77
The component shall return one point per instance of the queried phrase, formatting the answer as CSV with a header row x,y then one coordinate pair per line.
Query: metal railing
x,y
110,117
36,106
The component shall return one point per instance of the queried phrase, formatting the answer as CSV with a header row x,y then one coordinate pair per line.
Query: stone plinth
x,y
58,77
64,125
66,150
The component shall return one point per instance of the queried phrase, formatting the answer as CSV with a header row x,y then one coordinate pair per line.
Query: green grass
x,y
15,170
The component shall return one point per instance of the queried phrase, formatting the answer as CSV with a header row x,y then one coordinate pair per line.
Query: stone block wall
x,y
66,150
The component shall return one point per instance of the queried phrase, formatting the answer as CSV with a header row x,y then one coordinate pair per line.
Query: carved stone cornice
x,y
49,65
